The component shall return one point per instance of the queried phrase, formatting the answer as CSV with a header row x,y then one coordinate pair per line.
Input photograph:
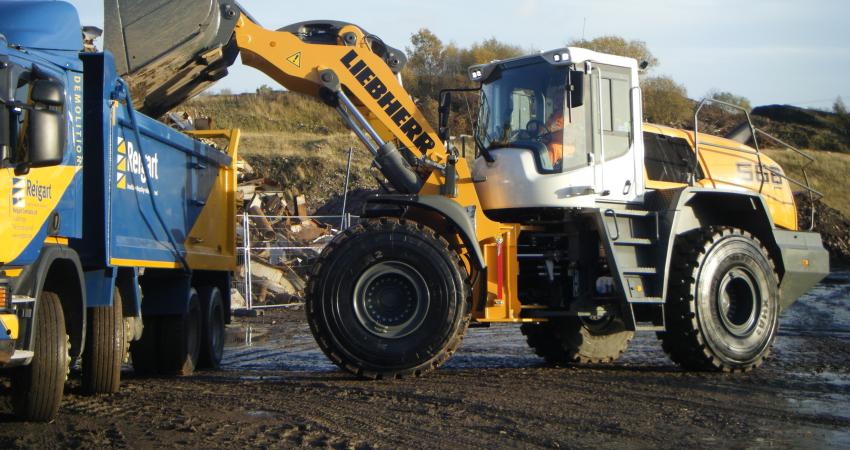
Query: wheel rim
x,y
597,324
391,300
738,302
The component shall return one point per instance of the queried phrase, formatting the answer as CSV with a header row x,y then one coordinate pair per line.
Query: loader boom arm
x,y
341,64
353,72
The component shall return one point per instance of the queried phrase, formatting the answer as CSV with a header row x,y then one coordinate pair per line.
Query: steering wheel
x,y
537,130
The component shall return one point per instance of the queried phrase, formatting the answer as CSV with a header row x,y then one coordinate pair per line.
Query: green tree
x,y
488,50
838,107
730,98
620,46
265,90
433,65
665,102
842,118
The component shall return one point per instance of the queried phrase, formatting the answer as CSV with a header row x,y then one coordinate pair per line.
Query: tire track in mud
x,y
282,392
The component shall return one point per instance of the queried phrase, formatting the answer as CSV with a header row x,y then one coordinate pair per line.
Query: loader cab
x,y
557,130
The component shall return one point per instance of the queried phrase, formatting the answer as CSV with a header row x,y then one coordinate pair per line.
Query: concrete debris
x,y
282,245
185,121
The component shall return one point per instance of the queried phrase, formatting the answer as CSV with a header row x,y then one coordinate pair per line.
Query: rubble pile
x,y
833,226
282,241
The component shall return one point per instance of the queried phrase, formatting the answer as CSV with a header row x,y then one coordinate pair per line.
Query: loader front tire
x,y
388,298
573,340
722,311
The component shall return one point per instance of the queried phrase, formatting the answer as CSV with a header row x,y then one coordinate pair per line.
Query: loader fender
x,y
458,216
801,261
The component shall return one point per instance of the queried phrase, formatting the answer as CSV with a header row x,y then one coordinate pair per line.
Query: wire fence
x,y
276,254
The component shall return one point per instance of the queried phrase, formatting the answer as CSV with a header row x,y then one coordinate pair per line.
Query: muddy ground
x,y
276,389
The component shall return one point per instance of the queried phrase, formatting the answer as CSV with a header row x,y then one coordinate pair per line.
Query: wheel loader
x,y
575,220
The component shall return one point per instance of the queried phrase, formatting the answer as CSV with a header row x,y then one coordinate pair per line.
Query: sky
x,y
770,51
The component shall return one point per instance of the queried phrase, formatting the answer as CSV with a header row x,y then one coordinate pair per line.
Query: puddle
x,y
245,335
261,414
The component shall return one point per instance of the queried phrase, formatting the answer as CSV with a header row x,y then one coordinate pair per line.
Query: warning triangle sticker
x,y
295,59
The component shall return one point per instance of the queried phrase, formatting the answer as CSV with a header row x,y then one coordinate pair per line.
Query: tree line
x,y
434,65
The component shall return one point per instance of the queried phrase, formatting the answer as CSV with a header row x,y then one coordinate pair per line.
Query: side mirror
x,y
46,135
444,111
575,89
48,92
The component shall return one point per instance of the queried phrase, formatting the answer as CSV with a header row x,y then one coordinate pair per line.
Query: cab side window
x,y
612,100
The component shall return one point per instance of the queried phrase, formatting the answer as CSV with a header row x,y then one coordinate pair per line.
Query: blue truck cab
x,y
118,232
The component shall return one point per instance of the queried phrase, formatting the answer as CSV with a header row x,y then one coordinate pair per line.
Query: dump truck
x,y
118,231
575,220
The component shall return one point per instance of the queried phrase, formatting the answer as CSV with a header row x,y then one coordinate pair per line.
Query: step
x,y
634,241
20,355
640,271
649,328
648,300
631,213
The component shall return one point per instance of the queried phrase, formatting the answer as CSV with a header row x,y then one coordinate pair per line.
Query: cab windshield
x,y
522,106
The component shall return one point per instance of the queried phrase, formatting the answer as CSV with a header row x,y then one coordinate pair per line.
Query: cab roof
x,y
42,25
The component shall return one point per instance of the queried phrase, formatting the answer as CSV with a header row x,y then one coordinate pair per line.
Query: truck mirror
x,y
48,92
444,111
46,135
576,89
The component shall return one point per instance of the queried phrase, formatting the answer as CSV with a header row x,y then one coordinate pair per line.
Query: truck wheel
x,y
104,351
388,299
723,301
180,340
212,333
574,340
37,388
144,352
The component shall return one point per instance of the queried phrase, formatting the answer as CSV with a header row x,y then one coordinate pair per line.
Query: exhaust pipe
x,y
741,134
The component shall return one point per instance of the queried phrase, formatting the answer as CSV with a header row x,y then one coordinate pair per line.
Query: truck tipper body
x,y
100,208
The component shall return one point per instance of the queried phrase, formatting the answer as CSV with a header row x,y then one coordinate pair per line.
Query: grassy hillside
x,y
268,112
291,139
303,144
828,174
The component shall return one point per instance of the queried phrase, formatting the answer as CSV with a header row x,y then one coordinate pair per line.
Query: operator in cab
x,y
555,129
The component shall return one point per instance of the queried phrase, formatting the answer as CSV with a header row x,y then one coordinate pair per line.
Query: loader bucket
x,y
170,50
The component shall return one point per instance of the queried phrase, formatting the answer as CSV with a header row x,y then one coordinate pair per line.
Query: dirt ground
x,y
277,389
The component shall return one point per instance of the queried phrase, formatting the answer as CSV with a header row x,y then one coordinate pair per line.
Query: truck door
x,y
613,132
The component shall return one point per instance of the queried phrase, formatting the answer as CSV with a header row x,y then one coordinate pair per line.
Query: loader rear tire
x,y
573,340
388,298
105,347
38,387
722,310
